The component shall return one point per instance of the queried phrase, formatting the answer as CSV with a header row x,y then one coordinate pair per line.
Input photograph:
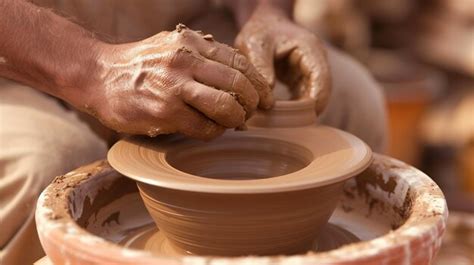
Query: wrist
x,y
83,78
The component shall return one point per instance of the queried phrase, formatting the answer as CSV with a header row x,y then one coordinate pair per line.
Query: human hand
x,y
180,81
272,42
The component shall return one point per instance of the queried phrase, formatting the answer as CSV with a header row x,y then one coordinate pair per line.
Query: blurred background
x,y
422,54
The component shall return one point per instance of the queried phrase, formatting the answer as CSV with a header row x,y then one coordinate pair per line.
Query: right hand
x,y
180,81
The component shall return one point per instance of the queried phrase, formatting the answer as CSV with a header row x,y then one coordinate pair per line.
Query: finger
x,y
309,70
217,105
262,85
223,77
231,57
195,125
313,63
260,53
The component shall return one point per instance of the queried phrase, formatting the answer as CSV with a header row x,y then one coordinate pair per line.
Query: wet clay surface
x,y
307,157
125,221
232,196
241,224
151,239
389,230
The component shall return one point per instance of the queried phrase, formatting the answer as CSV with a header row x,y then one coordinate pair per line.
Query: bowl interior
x,y
250,162
249,158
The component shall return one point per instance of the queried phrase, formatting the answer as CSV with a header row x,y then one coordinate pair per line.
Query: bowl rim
x,y
421,234
136,158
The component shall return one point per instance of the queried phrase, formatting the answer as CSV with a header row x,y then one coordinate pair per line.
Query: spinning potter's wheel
x,y
397,212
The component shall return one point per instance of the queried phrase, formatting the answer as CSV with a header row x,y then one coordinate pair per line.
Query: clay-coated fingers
x,y
217,105
229,56
195,125
309,69
315,65
260,52
227,79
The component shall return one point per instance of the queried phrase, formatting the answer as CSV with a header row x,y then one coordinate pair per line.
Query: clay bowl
x,y
233,195
397,212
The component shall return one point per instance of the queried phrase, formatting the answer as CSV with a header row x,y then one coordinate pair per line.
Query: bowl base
x,y
151,239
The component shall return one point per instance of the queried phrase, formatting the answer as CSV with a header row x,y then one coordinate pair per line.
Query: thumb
x,y
260,52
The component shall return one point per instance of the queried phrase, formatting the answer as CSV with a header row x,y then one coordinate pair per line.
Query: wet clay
x,y
232,196
390,231
241,224
153,240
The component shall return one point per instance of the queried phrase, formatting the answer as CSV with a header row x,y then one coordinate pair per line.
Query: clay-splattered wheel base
x,y
397,211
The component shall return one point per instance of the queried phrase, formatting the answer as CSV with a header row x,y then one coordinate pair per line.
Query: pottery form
x,y
235,194
397,212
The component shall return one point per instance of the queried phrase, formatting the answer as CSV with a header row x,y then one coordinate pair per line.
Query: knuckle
x,y
194,95
179,55
186,35
222,103
240,62
175,57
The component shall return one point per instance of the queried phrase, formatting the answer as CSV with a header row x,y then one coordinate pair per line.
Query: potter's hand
x,y
180,81
272,41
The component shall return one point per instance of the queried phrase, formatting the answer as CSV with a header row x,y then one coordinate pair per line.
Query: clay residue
x,y
91,206
376,180
63,185
180,27
208,37
115,217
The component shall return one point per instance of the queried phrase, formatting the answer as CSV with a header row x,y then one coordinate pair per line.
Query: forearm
x,y
46,51
243,9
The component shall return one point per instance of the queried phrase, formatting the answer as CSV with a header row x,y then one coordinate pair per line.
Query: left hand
x,y
272,42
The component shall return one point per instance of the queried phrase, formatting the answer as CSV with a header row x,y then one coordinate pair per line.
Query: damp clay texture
x,y
233,195
391,214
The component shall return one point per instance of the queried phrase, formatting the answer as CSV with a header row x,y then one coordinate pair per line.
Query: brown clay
x,y
405,225
232,196
151,239
241,224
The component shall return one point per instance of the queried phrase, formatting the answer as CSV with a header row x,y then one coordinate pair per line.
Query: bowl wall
x,y
241,224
